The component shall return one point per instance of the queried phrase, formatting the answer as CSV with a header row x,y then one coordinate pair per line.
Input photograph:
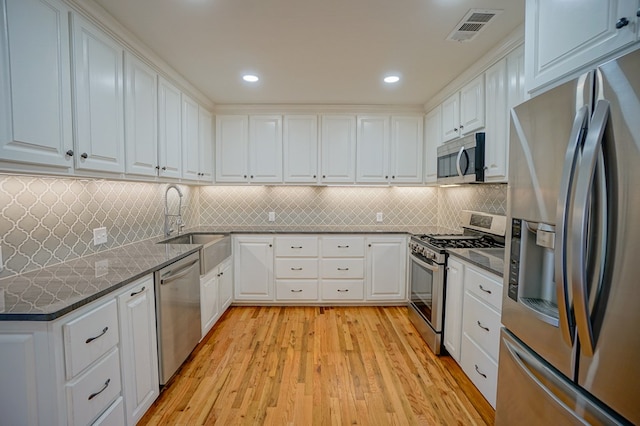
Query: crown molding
x,y
499,51
316,109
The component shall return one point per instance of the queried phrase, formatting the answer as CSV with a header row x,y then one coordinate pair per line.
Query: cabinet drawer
x,y
482,324
342,289
481,369
90,394
114,416
297,289
342,246
343,268
487,288
89,337
297,246
296,268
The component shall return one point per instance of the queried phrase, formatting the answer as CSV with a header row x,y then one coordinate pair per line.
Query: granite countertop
x,y
489,259
51,292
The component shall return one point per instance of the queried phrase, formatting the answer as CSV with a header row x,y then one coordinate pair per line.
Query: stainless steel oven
x,y
427,278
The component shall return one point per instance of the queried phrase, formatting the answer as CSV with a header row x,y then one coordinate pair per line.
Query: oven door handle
x,y
425,264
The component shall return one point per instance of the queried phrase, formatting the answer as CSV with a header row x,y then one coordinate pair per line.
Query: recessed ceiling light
x,y
250,78
391,79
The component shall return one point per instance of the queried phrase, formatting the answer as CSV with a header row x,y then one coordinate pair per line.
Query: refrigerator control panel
x,y
514,258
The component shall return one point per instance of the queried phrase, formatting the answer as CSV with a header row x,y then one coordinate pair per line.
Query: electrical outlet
x,y
99,236
379,217
272,216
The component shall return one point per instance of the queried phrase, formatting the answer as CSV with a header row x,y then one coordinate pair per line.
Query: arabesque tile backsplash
x,y
45,220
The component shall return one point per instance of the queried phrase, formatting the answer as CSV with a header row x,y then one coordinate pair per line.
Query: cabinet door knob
x,y
270,245
245,176
461,127
84,155
251,176
622,22
157,167
314,176
221,273
455,129
386,177
324,176
369,245
69,153
164,168
393,177
638,13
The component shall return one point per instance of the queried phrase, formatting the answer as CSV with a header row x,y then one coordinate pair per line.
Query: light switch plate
x,y
272,216
379,217
99,236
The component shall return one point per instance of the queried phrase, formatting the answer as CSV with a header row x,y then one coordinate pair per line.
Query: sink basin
x,y
215,248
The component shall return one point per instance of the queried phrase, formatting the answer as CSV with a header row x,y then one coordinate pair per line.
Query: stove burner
x,y
460,241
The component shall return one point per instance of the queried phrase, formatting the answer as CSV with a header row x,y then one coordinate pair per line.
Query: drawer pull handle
x,y
343,246
296,247
480,372
484,289
482,326
296,269
138,292
296,291
343,269
91,339
106,385
343,291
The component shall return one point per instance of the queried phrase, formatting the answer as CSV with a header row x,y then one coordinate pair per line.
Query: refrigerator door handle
x,y
580,228
562,218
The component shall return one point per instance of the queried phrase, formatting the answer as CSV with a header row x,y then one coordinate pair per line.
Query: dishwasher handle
x,y
179,273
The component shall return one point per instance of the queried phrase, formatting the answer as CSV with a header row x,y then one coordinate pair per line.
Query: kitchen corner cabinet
x,y
139,350
386,265
338,142
169,130
197,149
464,111
253,267
141,117
249,148
432,139
389,149
50,368
300,148
561,39
453,308
99,103
35,106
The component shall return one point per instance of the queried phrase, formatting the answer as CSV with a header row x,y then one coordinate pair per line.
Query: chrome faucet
x,y
167,217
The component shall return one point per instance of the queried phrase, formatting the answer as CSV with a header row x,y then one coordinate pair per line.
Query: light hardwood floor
x,y
318,366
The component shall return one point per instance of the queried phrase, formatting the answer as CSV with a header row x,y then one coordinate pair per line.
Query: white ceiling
x,y
314,51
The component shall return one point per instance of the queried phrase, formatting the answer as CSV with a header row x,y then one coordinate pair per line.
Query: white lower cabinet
x,y
139,348
472,323
95,365
216,294
253,267
318,268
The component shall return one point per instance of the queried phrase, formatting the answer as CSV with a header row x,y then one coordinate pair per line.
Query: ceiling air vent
x,y
472,24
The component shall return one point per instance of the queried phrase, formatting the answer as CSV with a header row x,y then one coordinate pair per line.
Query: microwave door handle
x,y
458,166
562,218
580,224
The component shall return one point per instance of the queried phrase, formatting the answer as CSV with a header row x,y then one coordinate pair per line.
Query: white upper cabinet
x,y
372,165
300,146
433,138
562,38
169,130
497,121
407,145
338,141
141,117
99,104
232,141
35,83
265,148
463,112
205,145
190,142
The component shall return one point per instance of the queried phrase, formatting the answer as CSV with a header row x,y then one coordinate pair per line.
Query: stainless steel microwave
x,y
462,160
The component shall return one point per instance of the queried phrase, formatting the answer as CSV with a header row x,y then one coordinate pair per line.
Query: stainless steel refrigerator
x,y
570,350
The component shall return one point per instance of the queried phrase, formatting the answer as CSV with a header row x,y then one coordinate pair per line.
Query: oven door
x,y
427,290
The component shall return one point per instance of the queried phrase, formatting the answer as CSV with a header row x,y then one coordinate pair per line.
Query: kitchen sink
x,y
215,248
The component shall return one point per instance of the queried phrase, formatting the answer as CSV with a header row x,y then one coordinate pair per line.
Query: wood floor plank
x,y
318,366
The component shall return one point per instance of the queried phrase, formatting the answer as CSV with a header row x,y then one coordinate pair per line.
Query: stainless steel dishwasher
x,y
178,313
